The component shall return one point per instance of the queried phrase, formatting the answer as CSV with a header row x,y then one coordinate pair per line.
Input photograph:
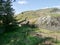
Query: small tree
x,y
6,14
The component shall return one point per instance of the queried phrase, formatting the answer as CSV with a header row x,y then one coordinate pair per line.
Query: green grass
x,y
21,37
13,38
17,37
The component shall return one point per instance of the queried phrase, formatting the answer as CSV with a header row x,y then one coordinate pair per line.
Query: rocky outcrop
x,y
48,22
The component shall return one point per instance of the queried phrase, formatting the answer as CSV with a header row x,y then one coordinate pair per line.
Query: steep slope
x,y
42,18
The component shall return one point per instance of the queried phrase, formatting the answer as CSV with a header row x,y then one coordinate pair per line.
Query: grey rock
x,y
48,22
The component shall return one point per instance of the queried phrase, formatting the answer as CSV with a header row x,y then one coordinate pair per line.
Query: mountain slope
x,y
35,14
42,18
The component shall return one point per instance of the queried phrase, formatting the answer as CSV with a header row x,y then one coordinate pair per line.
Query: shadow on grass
x,y
15,37
21,37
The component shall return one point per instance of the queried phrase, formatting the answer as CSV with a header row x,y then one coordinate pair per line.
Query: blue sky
x,y
26,5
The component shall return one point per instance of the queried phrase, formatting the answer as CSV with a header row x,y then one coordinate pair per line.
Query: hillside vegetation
x,y
46,18
37,13
29,35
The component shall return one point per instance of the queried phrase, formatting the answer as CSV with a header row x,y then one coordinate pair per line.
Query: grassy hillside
x,y
37,13
26,35
37,36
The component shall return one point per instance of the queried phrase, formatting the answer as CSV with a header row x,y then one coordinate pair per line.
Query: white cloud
x,y
51,7
22,2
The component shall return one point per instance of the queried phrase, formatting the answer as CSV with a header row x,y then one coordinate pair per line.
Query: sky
x,y
26,5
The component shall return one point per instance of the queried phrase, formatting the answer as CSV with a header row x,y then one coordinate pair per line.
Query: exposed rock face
x,y
48,22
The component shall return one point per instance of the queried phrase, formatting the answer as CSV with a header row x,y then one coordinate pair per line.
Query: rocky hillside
x,y
48,22
45,18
